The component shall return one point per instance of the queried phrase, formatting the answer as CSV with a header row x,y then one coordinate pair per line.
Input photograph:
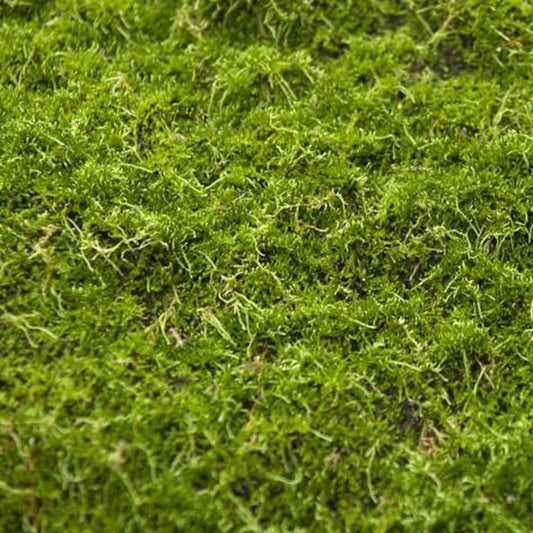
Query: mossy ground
x,y
266,265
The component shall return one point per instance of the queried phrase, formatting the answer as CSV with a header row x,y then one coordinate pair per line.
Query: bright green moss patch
x,y
266,265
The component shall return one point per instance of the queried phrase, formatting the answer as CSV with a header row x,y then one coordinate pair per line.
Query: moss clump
x,y
266,265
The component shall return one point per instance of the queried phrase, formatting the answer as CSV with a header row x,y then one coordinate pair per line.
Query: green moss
x,y
265,265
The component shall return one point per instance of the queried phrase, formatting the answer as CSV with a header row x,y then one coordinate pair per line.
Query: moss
x,y
265,265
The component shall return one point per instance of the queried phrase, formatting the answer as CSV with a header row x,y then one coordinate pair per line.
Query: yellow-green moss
x,y
266,266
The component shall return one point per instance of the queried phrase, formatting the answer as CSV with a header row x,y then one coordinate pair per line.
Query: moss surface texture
x,y
266,265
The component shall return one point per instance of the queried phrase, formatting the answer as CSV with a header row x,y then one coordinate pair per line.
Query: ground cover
x,y
266,265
